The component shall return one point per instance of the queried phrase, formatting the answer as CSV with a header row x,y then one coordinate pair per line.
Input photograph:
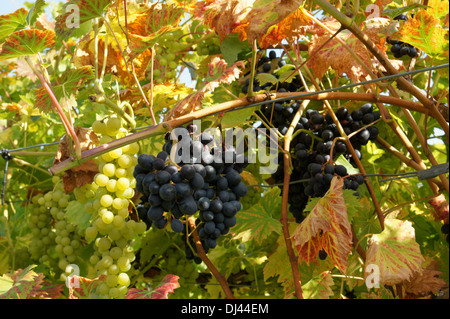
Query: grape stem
x,y
258,99
67,125
284,203
202,254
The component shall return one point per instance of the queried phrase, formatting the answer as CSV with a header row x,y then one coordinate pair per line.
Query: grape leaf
x,y
26,42
278,264
422,284
26,284
70,83
35,11
85,172
218,72
167,285
319,287
77,215
333,54
12,22
258,222
267,21
326,227
148,27
88,9
425,33
80,287
440,207
395,252
231,47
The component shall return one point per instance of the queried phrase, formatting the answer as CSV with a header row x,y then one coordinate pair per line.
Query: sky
x,y
9,6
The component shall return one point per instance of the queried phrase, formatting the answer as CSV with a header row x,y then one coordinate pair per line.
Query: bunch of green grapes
x,y
209,46
175,263
44,209
169,54
112,230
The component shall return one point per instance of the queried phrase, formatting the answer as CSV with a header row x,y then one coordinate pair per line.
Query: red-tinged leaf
x,y
252,19
334,55
12,22
395,252
218,73
26,42
292,26
149,26
80,287
27,284
88,9
167,285
425,33
326,227
258,222
71,82
440,207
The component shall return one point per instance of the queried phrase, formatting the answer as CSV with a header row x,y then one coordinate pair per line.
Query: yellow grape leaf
x,y
319,287
425,33
218,72
326,227
395,252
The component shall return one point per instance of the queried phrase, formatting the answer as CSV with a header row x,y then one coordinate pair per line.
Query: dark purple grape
x,y
341,113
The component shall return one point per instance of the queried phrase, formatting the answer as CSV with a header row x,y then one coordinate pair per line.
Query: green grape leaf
x,y
319,287
425,33
341,160
236,118
393,12
70,83
10,23
395,252
258,222
265,78
78,12
278,263
77,215
26,42
35,11
231,47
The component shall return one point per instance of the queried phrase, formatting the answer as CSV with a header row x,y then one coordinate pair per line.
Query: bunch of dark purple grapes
x,y
311,148
205,179
445,230
400,48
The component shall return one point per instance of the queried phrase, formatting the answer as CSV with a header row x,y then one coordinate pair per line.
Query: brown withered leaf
x,y
422,284
85,172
